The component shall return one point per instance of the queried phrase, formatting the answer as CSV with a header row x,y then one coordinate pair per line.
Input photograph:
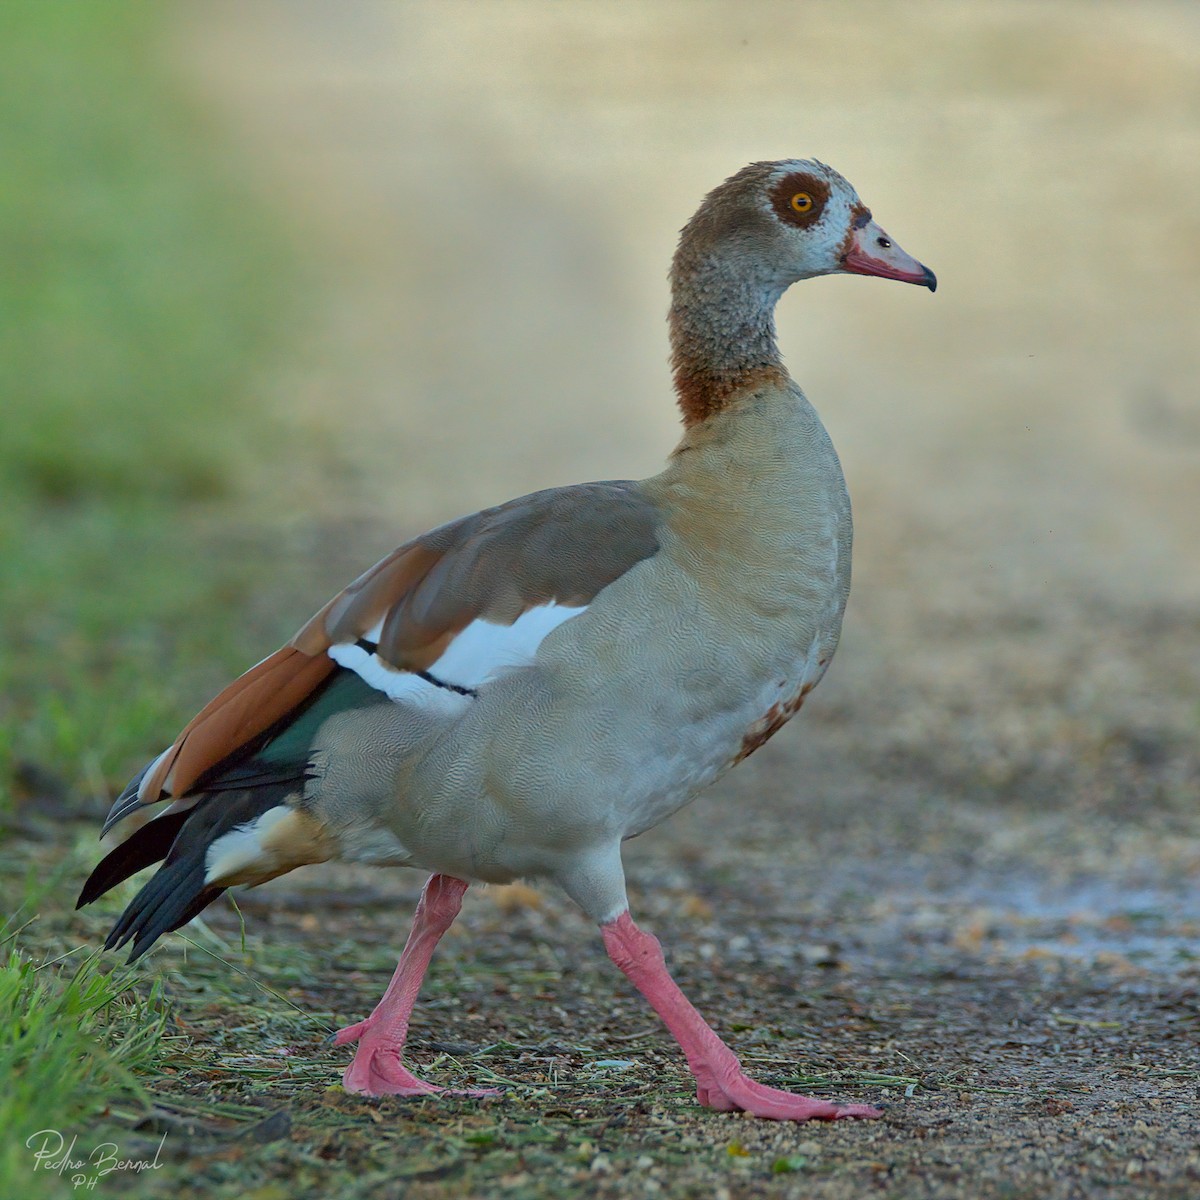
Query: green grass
x,y
141,300
143,288
139,282
73,1042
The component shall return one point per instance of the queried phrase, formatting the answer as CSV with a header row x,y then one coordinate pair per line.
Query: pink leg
x,y
377,1069
720,1081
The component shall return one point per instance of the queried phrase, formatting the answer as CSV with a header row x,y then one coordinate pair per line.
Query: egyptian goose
x,y
517,692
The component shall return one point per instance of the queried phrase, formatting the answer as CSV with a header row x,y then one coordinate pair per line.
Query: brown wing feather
x,y
362,604
247,707
563,545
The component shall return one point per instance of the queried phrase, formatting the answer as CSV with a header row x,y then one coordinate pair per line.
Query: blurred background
x,y
287,282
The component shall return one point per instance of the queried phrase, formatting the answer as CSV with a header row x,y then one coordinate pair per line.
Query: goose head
x,y
774,223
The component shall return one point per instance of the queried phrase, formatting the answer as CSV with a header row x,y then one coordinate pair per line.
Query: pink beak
x,y
872,252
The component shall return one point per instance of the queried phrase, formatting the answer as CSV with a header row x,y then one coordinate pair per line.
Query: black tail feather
x,y
172,898
146,846
127,801
177,891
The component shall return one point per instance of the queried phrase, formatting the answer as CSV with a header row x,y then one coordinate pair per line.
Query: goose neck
x,y
722,329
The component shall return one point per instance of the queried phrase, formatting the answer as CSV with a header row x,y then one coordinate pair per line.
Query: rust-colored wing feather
x,y
247,707
562,545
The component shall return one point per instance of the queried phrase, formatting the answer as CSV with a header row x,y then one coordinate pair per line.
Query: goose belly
x,y
709,739
647,711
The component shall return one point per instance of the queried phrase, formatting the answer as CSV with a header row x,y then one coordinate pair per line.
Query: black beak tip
x,y
930,280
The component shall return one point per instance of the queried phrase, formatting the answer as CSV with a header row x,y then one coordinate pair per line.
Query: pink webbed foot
x,y
377,1069
737,1091
720,1081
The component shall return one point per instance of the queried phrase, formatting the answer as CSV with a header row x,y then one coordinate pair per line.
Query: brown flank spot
x,y
771,722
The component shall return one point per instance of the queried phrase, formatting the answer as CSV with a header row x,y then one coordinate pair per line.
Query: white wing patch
x,y
397,685
481,651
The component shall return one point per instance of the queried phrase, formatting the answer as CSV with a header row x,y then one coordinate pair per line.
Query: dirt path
x,y
974,861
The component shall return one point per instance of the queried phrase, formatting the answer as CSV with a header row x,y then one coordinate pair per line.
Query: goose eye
x,y
802,202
